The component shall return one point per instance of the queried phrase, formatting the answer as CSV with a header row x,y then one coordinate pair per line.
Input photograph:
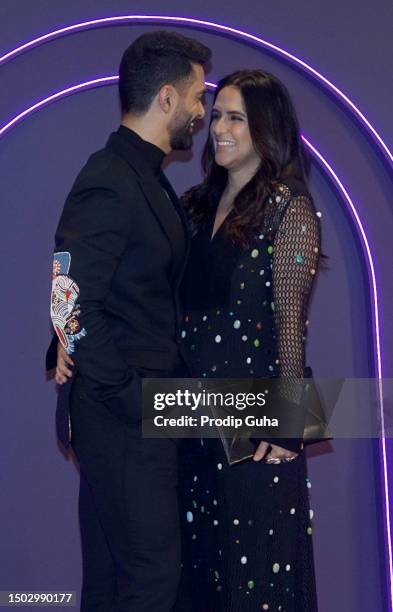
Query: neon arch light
x,y
219,28
364,122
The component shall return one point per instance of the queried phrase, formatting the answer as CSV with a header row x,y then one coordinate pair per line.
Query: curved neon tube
x,y
216,27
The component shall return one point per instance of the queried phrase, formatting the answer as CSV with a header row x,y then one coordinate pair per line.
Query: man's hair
x,y
153,60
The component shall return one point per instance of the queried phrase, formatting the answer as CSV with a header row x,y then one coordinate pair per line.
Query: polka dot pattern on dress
x,y
238,339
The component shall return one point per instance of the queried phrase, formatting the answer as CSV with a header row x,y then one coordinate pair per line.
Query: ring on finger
x,y
273,460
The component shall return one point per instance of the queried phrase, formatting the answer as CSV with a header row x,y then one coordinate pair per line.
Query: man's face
x,y
190,108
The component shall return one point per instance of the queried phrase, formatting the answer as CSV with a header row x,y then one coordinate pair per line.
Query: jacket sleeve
x,y
93,233
51,353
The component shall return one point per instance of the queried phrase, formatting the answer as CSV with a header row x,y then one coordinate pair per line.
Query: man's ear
x,y
167,98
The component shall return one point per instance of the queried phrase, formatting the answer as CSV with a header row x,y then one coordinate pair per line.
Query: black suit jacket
x,y
125,244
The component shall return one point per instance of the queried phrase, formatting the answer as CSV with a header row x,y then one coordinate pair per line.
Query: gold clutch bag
x,y
242,446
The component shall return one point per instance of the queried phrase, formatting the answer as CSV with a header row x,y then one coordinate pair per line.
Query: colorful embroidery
x,y
64,309
61,263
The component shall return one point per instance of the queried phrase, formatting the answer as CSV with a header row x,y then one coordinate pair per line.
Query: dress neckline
x,y
220,228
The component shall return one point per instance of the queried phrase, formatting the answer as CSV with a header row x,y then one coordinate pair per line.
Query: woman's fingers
x,y
68,359
60,379
261,451
63,366
279,454
63,355
62,372
61,376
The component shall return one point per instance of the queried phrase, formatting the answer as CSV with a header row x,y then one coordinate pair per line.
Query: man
x,y
121,246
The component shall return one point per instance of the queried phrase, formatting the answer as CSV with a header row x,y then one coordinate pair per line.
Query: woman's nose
x,y
219,126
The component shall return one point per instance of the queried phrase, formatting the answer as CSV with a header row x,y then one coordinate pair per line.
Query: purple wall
x,y
347,42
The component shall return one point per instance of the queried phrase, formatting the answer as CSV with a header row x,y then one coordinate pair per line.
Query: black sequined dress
x,y
247,542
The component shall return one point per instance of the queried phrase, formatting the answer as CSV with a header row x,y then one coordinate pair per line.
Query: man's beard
x,y
180,136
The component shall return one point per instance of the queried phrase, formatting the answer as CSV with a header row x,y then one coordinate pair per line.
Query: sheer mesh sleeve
x,y
295,260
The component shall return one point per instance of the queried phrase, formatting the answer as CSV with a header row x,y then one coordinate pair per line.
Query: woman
x,y
253,261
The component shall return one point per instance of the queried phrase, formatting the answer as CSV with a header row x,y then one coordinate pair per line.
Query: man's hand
x,y
277,454
64,365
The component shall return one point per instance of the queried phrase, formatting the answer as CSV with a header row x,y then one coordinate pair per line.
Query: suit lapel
x,y
183,217
171,221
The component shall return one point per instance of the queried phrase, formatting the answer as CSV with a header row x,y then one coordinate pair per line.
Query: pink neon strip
x,y
328,168
187,21
385,472
57,96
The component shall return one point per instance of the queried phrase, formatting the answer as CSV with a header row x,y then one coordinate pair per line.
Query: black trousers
x,y
128,512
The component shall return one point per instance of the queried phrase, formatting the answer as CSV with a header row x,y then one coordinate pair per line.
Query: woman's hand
x,y
64,365
277,454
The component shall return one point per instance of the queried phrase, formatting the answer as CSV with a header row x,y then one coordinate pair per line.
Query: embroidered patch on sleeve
x,y
64,309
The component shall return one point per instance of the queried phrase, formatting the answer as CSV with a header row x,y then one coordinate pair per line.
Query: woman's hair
x,y
275,135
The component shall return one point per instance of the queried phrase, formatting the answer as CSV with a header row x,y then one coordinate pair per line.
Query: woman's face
x,y
230,131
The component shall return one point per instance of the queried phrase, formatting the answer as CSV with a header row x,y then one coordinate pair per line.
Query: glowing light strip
x,y
332,174
383,449
355,215
187,21
57,96
108,80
